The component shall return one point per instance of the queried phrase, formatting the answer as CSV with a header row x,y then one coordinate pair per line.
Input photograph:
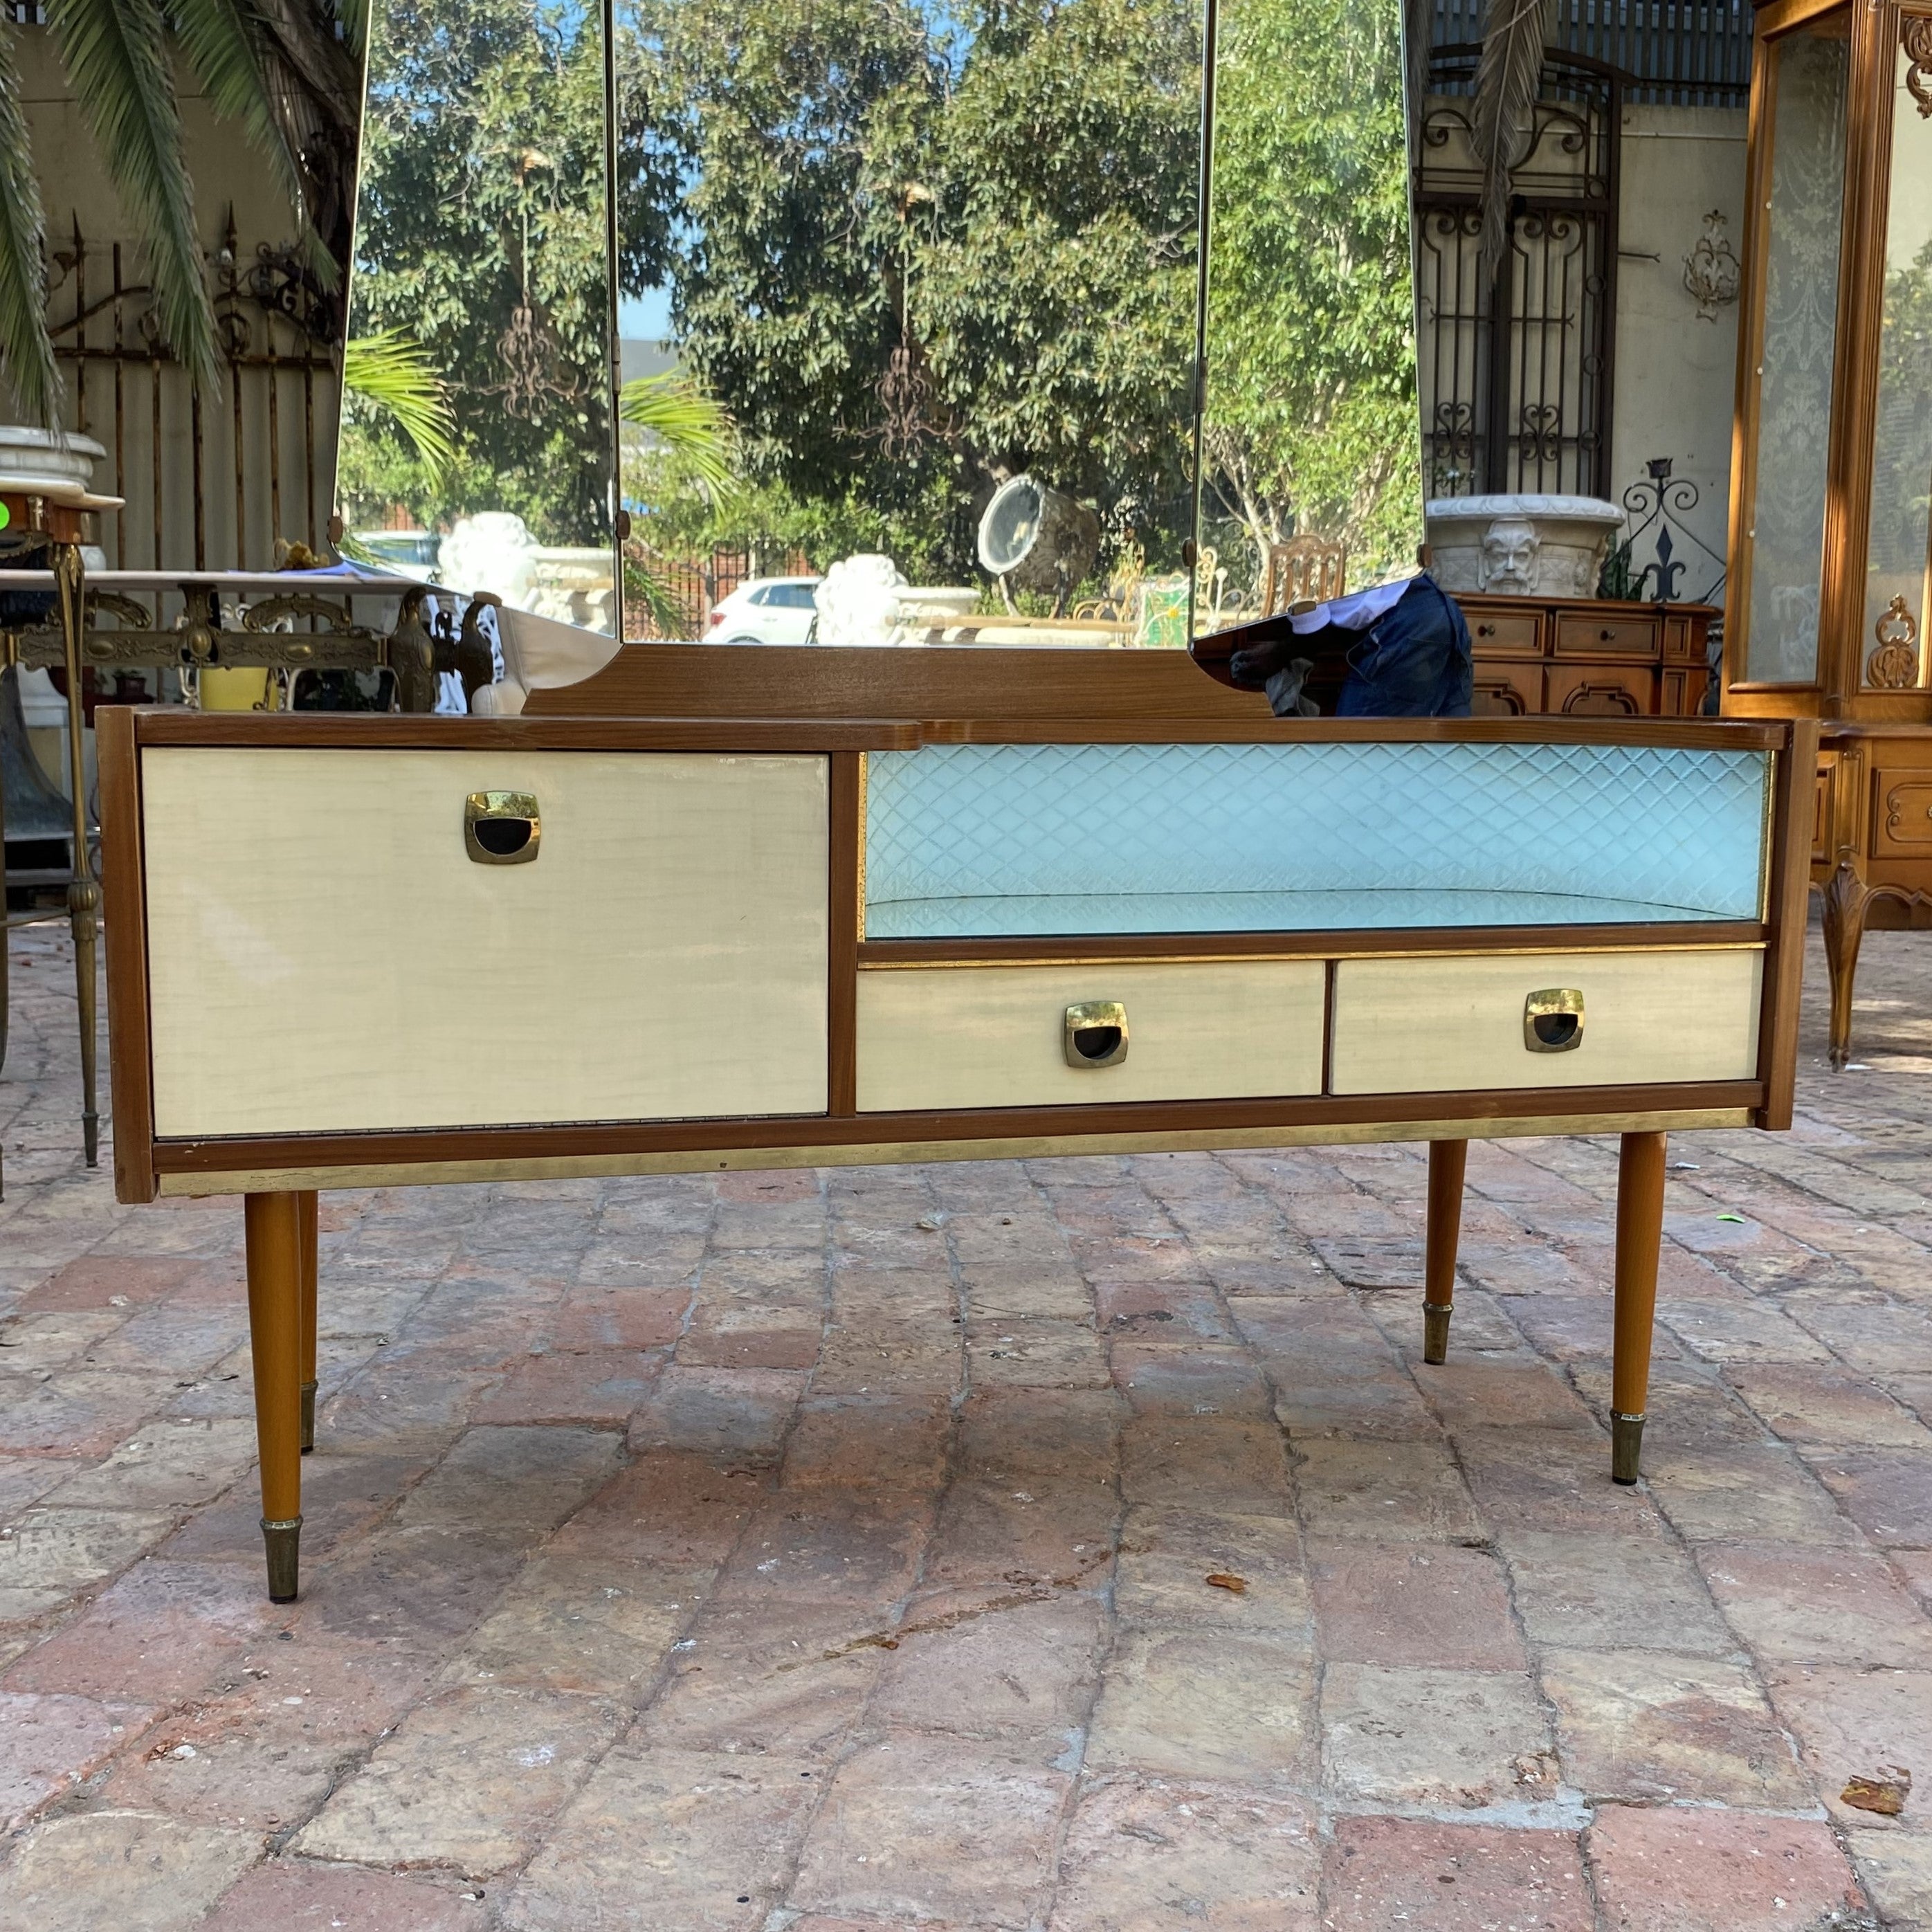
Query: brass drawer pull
x,y
1096,1033
501,828
1553,1020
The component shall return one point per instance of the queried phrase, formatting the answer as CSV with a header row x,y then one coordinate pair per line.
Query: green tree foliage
x,y
480,235
1312,413
917,253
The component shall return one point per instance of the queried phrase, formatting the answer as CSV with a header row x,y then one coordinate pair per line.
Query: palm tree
x,y
694,430
289,71
391,373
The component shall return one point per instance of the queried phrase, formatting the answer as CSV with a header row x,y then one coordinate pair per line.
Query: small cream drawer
x,y
1418,1026
995,1036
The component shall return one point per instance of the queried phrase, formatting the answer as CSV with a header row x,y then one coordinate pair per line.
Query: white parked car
x,y
765,611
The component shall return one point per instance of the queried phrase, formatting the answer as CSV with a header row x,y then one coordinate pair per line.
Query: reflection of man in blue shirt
x,y
1405,644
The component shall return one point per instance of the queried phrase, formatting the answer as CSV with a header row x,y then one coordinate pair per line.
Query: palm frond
x,y
390,371
1507,77
116,56
688,422
642,585
220,38
26,352
354,16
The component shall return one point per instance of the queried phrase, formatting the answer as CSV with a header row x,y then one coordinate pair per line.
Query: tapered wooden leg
x,y
1846,899
1447,1161
274,1340
305,1229
1639,1232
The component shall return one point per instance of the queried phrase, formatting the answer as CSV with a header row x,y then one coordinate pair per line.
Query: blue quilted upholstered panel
x,y
983,840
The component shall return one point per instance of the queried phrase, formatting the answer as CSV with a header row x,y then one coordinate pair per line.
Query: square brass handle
x,y
1095,1034
501,828
1553,1020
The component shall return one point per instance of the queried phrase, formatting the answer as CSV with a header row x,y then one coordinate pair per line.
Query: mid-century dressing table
x,y
754,907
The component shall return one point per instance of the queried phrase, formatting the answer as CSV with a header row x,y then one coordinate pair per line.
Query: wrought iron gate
x,y
1517,376
211,481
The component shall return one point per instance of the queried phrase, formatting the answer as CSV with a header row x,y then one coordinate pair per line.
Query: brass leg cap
x,y
1435,1332
283,1542
307,1416
1626,1446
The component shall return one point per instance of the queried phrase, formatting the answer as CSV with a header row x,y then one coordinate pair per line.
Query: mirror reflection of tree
x,y
480,237
913,253
1311,425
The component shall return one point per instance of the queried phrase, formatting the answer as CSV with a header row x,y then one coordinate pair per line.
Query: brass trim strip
x,y
1767,836
1312,952
864,776
567,1167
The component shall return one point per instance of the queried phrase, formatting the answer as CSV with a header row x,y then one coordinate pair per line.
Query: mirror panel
x,y
1311,461
1804,217
906,301
481,277
1898,556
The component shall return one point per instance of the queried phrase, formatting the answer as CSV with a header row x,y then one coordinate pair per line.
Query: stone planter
x,y
1520,545
36,462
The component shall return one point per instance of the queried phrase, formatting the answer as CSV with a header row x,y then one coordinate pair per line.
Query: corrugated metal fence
x,y
1681,53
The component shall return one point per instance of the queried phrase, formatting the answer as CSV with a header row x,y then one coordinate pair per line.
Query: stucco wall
x,y
1676,372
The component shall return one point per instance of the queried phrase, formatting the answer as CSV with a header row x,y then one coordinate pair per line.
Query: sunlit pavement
x,y
1077,1544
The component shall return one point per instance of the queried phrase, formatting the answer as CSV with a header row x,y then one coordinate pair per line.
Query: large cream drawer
x,y
994,1036
324,954
1413,1026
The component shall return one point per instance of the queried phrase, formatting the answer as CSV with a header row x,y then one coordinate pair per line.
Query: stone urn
x,y
37,463
1520,545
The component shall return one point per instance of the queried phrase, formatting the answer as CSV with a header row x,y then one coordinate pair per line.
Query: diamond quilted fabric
x,y
989,839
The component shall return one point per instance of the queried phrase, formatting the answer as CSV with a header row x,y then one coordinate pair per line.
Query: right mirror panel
x,y
1311,461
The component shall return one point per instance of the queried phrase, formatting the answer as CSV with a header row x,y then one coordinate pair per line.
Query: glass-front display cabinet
x,y
1831,491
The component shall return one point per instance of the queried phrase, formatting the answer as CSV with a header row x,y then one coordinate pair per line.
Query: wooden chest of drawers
x,y
1583,658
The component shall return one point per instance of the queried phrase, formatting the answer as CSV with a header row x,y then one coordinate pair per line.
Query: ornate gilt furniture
x,y
1831,495
770,908
1310,567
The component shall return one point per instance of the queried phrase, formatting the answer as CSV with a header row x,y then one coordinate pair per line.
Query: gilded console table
x,y
708,943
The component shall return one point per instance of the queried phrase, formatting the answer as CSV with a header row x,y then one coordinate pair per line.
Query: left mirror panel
x,y
477,447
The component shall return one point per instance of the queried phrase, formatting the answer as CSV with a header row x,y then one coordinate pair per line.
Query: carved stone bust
x,y
1511,557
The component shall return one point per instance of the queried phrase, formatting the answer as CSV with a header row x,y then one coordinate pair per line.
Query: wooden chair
x,y
1310,567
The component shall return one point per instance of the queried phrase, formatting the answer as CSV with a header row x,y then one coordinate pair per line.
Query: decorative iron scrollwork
x,y
1542,433
1893,665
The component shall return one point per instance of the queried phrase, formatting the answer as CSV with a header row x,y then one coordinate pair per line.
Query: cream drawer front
x,y
994,1036
324,954
1415,1026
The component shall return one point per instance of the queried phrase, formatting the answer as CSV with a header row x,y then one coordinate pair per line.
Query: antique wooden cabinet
x,y
937,906
1586,657
1832,493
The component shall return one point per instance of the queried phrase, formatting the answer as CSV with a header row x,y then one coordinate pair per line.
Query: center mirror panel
x,y
477,447
1311,477
907,308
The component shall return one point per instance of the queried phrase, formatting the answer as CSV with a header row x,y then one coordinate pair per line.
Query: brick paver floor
x,y
1076,1545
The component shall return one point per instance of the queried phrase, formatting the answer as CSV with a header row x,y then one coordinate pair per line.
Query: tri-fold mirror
x,y
864,321
1054,321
